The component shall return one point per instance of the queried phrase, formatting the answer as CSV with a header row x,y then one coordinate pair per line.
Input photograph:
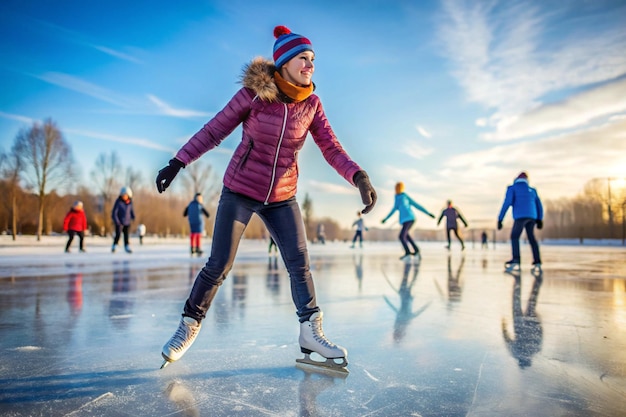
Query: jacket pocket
x,y
245,156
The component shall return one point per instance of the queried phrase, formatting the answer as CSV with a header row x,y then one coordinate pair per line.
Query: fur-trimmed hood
x,y
258,76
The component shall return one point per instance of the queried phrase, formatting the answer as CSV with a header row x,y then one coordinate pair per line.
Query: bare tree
x,y
199,178
133,178
106,174
47,161
11,171
307,208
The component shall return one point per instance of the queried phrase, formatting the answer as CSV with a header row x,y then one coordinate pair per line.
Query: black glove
x,y
167,174
499,225
432,215
368,194
539,224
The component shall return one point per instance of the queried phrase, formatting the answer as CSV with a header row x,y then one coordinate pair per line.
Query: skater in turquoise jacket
x,y
403,204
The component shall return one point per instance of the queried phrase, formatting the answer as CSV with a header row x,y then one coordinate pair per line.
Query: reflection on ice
x,y
450,336
404,312
528,332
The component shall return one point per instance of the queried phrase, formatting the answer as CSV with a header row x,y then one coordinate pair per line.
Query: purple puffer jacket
x,y
264,166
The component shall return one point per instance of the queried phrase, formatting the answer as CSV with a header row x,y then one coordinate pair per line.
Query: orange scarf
x,y
291,90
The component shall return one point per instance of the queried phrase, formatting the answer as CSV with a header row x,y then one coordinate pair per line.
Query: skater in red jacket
x,y
75,223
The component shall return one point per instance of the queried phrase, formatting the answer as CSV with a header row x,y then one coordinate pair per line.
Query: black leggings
x,y
405,237
71,234
284,222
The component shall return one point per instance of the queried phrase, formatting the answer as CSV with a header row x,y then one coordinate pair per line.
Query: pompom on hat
x,y
288,45
126,190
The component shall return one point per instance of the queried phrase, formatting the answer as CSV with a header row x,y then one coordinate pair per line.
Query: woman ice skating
x,y
402,205
452,215
527,212
123,214
75,224
195,213
277,109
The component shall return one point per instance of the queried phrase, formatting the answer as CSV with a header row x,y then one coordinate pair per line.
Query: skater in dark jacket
x,y
277,108
452,214
123,214
75,224
195,213
527,212
402,204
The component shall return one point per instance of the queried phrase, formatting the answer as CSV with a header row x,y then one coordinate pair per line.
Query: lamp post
x,y
610,213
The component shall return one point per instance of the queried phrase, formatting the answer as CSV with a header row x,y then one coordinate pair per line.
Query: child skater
x,y
277,109
403,205
75,224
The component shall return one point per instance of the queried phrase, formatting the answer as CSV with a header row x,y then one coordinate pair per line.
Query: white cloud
x,y
168,110
84,87
559,165
415,150
116,54
422,131
577,110
506,57
330,188
144,143
17,117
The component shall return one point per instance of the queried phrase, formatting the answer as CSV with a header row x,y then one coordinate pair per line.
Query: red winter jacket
x,y
75,220
264,166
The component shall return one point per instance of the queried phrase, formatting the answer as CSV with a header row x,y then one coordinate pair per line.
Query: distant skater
x,y
123,214
527,212
484,242
75,224
360,227
321,233
195,213
452,214
272,245
141,231
403,204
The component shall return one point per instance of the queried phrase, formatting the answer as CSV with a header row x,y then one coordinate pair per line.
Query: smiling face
x,y
299,69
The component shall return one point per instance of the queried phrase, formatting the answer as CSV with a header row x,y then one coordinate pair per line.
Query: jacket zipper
x,y
280,141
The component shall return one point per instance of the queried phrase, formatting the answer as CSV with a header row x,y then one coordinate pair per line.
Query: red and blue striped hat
x,y
288,45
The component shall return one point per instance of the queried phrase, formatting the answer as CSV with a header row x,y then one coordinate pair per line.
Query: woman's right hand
x,y
167,174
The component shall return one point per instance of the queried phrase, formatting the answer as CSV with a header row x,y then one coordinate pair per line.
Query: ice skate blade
x,y
329,365
166,361
513,272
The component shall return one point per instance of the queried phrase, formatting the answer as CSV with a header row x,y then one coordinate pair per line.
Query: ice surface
x,y
450,336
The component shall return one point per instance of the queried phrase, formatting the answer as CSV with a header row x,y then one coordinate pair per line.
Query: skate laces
x,y
318,333
185,334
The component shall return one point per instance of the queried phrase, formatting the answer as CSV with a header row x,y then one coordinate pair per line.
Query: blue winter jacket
x,y
524,199
123,212
403,205
195,211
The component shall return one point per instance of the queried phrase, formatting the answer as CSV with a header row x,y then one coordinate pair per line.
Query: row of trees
x,y
40,184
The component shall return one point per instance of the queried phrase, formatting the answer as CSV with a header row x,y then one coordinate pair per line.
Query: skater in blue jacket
x,y
527,212
403,204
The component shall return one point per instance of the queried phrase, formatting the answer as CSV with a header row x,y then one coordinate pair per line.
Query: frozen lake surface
x,y
451,336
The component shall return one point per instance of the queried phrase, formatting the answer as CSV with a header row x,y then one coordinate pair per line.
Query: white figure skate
x,y
182,340
536,271
313,340
512,267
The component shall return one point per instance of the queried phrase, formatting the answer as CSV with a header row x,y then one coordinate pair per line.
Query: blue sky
x,y
453,98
